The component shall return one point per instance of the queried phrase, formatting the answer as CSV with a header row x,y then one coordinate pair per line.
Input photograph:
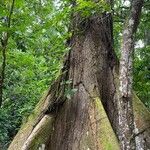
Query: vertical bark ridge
x,y
91,75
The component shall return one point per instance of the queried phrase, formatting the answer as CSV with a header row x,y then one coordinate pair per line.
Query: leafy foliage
x,y
142,74
89,8
35,49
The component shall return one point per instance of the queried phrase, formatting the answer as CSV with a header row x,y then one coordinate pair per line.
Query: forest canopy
x,y
34,37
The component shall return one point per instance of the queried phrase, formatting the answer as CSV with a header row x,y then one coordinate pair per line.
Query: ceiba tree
x,y
102,113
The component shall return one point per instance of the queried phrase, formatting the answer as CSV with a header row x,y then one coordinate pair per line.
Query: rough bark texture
x,y
125,108
77,121
142,120
142,125
80,123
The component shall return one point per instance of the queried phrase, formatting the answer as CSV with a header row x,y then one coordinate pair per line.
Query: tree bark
x,y
86,119
125,108
81,122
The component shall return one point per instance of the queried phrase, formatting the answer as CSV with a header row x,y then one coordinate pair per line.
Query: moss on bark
x,y
100,127
28,126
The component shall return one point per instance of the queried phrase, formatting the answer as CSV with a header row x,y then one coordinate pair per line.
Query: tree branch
x,y
4,43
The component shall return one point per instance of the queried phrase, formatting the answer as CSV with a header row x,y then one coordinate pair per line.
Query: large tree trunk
x,y
86,119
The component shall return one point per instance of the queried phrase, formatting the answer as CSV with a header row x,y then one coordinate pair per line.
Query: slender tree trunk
x,y
4,43
125,108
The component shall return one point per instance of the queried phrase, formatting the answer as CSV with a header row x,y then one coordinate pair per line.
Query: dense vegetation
x,y
38,34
